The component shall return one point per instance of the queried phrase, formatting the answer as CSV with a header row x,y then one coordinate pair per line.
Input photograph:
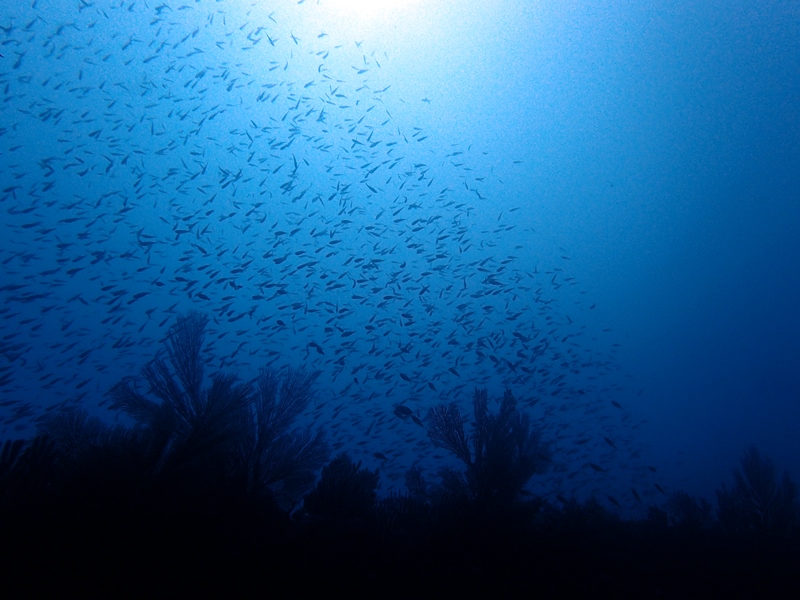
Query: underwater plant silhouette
x,y
193,486
25,468
757,504
689,512
239,431
344,491
272,458
506,451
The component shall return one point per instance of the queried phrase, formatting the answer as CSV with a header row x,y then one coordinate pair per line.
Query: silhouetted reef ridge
x,y
213,489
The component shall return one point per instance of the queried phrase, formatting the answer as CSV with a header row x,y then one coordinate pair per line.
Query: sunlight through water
x,y
370,17
371,8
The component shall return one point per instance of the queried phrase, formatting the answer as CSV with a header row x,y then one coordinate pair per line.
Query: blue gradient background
x,y
657,147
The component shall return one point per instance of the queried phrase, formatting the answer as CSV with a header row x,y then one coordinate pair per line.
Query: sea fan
x,y
757,503
506,451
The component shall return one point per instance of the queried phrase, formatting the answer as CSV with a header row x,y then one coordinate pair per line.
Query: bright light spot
x,y
370,8
379,22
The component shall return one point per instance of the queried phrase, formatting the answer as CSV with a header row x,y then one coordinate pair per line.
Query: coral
x,y
689,512
272,457
10,459
88,448
506,452
402,518
190,428
345,490
26,465
228,430
415,482
757,504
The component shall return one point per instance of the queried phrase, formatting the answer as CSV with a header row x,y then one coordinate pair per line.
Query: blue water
x,y
595,206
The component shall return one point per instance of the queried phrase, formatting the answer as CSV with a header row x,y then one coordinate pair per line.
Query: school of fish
x,y
174,156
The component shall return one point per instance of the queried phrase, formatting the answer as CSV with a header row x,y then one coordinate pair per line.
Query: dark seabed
x,y
401,297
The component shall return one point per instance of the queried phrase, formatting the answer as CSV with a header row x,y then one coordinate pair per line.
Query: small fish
x,y
402,411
